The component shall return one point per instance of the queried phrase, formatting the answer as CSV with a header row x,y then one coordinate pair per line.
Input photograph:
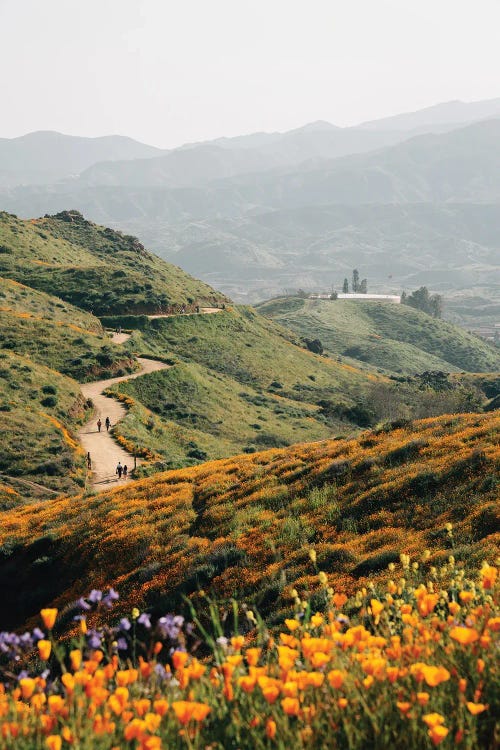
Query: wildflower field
x,y
242,527
410,661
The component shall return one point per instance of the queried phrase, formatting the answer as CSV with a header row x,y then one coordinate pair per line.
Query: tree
x,y
345,287
432,304
363,287
355,280
334,295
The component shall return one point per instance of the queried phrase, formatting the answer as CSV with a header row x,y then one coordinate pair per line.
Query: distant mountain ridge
x,y
45,156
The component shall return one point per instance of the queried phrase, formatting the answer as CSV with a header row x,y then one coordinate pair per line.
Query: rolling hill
x,y
93,267
237,382
396,338
56,334
243,526
39,455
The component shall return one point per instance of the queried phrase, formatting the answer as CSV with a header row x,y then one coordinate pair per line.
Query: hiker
x,y
125,471
99,424
108,424
119,470
89,461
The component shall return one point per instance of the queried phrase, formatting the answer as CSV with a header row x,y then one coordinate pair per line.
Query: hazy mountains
x,y
46,156
414,197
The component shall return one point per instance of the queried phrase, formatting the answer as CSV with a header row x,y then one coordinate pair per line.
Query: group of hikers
x,y
121,470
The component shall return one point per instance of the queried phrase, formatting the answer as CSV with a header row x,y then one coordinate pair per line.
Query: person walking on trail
x,y
125,471
89,461
99,424
108,424
119,470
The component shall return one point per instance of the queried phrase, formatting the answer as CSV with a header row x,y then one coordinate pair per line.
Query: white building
x,y
395,299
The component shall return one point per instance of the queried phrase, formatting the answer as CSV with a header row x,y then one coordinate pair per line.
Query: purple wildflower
x,y
125,624
144,620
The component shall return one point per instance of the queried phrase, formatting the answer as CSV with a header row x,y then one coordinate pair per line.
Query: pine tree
x,y
363,287
355,280
345,287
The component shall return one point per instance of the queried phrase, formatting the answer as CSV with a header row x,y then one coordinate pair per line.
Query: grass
x,y
243,526
238,383
39,408
215,416
58,335
94,268
394,338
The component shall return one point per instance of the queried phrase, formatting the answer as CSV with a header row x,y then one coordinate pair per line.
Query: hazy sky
x,y
173,71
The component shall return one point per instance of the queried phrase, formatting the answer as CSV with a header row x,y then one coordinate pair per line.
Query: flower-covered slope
x,y
244,526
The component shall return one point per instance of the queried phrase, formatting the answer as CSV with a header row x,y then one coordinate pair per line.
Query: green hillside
x,y
38,452
395,338
58,335
93,267
238,382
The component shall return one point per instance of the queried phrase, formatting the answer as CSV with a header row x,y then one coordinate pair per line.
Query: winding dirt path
x,y
104,451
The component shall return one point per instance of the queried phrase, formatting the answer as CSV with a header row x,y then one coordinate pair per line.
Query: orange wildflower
x,y
44,649
54,742
190,710
336,678
476,708
27,686
464,636
49,617
438,733
290,706
271,729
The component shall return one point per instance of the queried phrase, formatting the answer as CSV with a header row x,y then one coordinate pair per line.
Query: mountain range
x,y
413,197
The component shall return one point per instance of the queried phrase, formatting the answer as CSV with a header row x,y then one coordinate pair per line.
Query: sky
x,y
167,72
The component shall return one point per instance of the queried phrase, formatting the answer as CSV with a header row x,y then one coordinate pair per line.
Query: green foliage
x,y
34,449
93,267
394,338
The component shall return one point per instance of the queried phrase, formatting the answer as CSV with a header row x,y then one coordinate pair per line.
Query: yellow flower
x,y
438,733
49,617
290,706
434,675
376,607
404,706
312,555
433,720
465,636
190,710
488,576
54,742
44,649
27,686
476,708
292,624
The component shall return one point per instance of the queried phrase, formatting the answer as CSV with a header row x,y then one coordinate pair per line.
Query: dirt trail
x,y
203,311
104,451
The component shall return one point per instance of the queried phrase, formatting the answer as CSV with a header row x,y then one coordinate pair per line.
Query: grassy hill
x,y
395,338
93,267
238,382
243,526
57,334
38,453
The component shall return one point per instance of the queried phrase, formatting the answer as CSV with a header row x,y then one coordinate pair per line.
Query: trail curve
x,y
104,451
